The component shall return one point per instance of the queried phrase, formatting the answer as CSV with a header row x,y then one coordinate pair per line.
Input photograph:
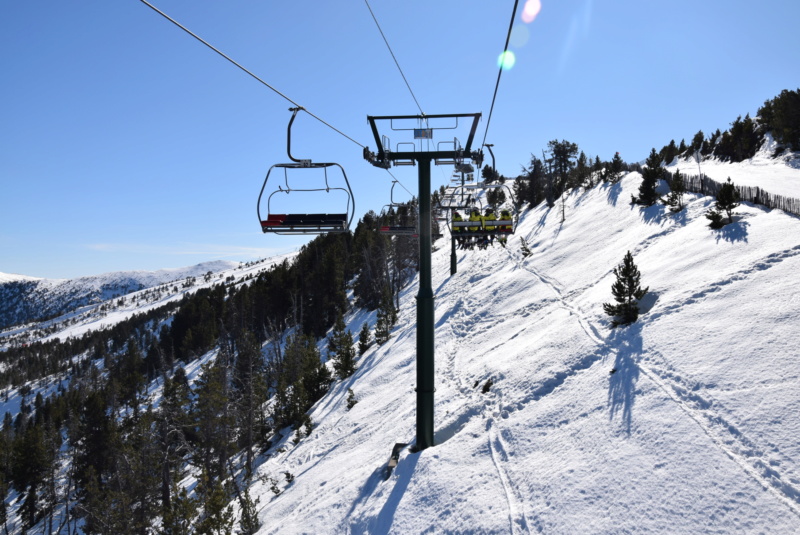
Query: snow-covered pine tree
x,y
627,292
351,399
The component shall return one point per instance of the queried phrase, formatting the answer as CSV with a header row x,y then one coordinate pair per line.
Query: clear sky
x,y
126,144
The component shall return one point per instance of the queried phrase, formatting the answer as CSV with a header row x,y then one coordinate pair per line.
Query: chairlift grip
x,y
303,162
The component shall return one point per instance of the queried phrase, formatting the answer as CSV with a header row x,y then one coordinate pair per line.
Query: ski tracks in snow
x,y
518,522
707,414
703,410
462,325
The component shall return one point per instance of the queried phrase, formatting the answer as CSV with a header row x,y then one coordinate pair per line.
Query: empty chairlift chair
x,y
400,217
337,220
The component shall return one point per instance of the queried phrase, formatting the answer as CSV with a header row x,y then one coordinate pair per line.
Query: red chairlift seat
x,y
319,222
399,230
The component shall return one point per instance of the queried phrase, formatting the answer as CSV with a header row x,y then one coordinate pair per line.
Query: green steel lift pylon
x,y
425,311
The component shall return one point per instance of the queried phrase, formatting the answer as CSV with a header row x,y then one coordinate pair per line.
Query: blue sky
x,y
126,144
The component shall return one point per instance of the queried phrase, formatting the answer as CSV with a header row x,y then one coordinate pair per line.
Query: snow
x,y
90,318
11,277
694,432
779,177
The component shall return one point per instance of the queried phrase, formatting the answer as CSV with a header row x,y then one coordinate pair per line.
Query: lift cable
x,y
497,85
179,25
393,57
401,184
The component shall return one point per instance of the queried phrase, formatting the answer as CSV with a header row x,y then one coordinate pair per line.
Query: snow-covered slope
x,y
76,306
779,176
11,277
696,431
25,299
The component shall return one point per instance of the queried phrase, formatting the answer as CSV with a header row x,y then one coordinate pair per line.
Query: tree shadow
x,y
622,382
652,214
733,232
613,193
679,217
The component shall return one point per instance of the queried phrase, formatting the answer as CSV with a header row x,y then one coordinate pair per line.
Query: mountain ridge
x,y
26,299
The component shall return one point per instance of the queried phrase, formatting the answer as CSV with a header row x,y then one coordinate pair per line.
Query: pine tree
x,y
563,155
178,518
675,197
3,509
364,340
173,423
614,172
249,393
340,349
669,152
217,517
6,441
248,522
524,248
650,177
715,216
303,380
351,399
781,116
727,199
387,317
582,172
213,419
697,142
627,292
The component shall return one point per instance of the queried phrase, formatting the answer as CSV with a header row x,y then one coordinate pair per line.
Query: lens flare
x,y
519,35
506,60
531,9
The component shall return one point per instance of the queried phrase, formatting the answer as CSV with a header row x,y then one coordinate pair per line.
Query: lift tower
x,y
443,153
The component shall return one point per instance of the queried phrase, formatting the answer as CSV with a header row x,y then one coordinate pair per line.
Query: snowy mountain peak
x,y
26,299
11,277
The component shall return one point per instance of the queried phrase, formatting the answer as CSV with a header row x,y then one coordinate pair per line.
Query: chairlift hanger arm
x,y
289,138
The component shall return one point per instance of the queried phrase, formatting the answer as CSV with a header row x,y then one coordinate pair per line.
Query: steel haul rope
x,y
497,85
182,27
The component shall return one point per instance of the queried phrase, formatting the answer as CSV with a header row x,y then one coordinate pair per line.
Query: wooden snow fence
x,y
705,186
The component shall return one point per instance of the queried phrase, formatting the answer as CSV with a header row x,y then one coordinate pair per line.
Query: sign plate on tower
x,y
423,133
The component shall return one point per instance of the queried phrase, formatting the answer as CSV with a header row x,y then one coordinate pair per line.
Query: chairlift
x,y
456,150
499,226
397,226
459,198
305,223
410,161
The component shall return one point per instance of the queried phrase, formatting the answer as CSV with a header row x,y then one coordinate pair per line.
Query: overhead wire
x,y
241,67
397,63
499,74
394,57
185,29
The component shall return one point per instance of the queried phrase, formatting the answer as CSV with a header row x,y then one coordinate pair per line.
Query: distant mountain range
x,y
26,299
